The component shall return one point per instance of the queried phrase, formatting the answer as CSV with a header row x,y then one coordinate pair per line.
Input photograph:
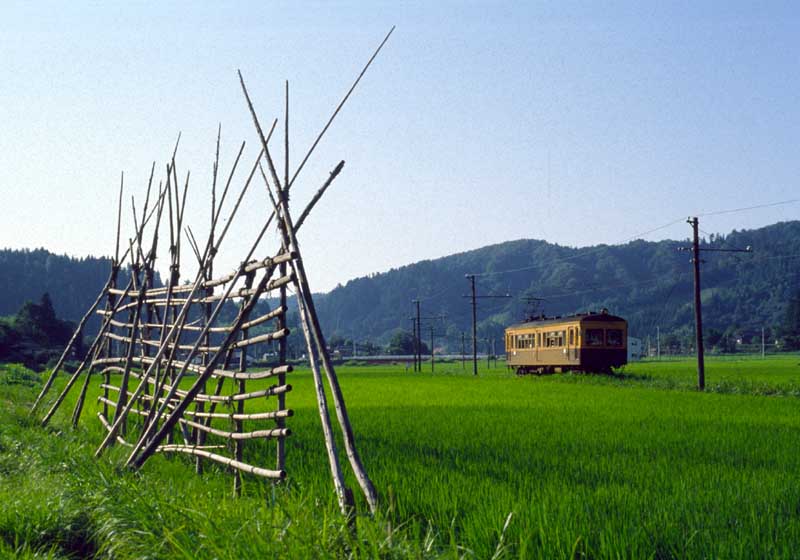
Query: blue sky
x,y
480,122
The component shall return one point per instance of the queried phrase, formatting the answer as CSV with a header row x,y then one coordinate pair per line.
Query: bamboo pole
x,y
322,405
305,302
238,449
336,111
135,320
210,250
238,435
272,415
143,451
318,195
250,469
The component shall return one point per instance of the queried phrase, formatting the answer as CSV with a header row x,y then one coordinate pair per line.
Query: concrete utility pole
x,y
698,310
474,297
474,326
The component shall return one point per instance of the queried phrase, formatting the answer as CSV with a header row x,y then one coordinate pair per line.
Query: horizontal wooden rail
x,y
227,399
238,465
180,302
257,434
277,312
251,416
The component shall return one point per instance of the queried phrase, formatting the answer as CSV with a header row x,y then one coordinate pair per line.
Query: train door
x,y
572,344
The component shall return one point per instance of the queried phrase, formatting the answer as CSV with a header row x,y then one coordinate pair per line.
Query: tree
x,y
402,344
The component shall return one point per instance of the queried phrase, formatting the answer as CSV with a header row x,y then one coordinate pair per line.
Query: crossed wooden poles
x,y
174,375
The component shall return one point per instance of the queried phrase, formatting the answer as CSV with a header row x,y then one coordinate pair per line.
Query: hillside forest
x,y
648,283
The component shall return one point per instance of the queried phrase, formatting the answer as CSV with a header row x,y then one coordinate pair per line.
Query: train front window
x,y
614,337
594,337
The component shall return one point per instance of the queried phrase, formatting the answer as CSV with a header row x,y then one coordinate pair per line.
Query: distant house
x,y
635,351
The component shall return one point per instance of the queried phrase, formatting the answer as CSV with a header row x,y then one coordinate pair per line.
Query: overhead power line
x,y
636,236
579,255
756,207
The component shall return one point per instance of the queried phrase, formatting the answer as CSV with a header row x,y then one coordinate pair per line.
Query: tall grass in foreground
x,y
496,466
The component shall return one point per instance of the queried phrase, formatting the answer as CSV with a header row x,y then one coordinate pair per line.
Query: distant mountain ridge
x,y
649,283
73,283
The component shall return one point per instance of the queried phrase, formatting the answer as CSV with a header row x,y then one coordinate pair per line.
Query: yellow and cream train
x,y
588,342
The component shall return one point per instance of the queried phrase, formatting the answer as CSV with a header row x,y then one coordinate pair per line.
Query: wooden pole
x,y
148,445
176,329
319,193
280,445
309,317
239,424
336,111
304,294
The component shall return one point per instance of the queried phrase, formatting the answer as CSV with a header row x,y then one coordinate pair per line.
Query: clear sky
x,y
480,122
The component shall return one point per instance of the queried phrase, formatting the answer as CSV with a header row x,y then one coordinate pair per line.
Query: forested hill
x,y
73,283
649,283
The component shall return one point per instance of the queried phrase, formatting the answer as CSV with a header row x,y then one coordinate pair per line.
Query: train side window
x,y
539,340
614,337
594,337
571,337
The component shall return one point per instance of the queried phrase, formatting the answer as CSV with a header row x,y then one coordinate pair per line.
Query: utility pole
x,y
474,298
474,326
488,355
417,338
698,310
763,347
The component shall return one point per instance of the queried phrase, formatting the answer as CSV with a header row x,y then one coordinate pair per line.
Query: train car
x,y
588,342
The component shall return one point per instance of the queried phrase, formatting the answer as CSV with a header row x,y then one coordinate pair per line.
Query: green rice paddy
x,y
498,466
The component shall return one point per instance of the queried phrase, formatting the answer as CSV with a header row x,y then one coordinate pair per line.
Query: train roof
x,y
589,316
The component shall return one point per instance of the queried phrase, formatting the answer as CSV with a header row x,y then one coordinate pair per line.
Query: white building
x,y
635,351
